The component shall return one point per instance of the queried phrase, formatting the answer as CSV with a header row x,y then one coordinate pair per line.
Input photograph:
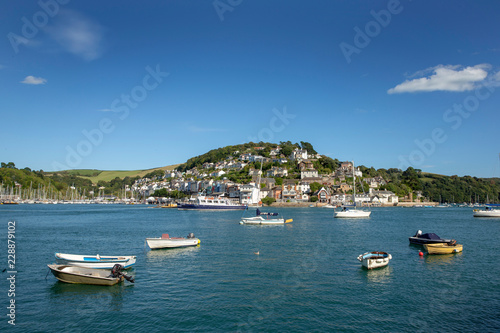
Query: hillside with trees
x,y
438,188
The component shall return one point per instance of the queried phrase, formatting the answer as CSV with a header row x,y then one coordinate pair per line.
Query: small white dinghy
x,y
167,242
94,261
374,259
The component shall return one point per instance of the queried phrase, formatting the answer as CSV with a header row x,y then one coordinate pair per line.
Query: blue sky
x,y
125,85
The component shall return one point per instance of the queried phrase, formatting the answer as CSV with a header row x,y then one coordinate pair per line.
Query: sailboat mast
x,y
353,186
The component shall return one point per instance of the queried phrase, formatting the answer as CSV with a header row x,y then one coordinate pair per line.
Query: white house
x,y
298,154
308,174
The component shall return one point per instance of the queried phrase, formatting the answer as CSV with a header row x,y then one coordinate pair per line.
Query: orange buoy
x,y
420,253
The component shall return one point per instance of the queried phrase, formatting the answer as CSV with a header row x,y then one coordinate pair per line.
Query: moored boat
x,y
375,259
351,213
211,203
94,261
489,211
265,218
427,238
443,248
82,275
167,242
346,212
170,205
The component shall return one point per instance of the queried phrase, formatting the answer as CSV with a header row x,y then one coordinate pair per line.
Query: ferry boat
x,y
211,203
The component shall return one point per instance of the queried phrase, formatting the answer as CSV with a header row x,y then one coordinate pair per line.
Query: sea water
x,y
298,277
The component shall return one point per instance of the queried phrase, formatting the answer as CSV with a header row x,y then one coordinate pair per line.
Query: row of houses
x,y
292,190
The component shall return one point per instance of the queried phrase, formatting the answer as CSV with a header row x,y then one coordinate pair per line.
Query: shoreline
x,y
320,205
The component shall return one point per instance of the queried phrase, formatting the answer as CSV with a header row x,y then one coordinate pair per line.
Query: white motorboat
x,y
94,261
489,211
82,275
374,259
346,212
167,242
265,218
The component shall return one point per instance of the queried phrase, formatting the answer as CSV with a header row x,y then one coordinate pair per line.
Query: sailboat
x,y
351,211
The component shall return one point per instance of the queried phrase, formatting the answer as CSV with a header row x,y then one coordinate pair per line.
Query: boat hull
x,y
162,243
443,248
352,214
487,213
422,241
210,207
80,275
259,220
95,261
372,260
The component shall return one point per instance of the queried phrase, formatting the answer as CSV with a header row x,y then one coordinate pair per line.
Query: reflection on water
x,y
161,254
436,260
378,275
88,296
85,301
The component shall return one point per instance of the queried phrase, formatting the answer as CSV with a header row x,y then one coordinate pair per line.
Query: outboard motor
x,y
116,271
190,235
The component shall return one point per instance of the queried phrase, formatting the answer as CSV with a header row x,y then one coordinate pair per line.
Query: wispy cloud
x,y
444,78
105,110
34,80
77,34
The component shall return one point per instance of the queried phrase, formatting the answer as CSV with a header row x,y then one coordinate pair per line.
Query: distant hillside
x,y
260,148
99,175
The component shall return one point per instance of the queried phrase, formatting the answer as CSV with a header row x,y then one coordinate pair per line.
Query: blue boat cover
x,y
429,236
269,214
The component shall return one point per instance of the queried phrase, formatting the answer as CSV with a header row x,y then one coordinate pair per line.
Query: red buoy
x,y
420,253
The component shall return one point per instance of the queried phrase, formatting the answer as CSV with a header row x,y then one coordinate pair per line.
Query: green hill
x,y
101,175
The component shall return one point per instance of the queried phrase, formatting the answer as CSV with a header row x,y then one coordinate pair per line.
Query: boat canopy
x,y
429,236
264,213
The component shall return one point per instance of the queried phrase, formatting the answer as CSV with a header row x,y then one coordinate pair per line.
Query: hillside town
x,y
276,183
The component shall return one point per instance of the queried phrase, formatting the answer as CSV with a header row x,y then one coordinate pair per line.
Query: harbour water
x,y
305,278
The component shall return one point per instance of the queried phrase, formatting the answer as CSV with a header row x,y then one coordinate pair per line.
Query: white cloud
x,y
105,110
444,78
33,80
77,34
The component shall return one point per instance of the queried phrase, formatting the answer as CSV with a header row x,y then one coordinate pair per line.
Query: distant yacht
x,y
347,211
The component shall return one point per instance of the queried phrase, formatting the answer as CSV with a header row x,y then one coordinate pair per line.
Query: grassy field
x,y
97,175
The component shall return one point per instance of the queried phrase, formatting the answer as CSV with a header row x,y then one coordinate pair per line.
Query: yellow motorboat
x,y
443,248
171,205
